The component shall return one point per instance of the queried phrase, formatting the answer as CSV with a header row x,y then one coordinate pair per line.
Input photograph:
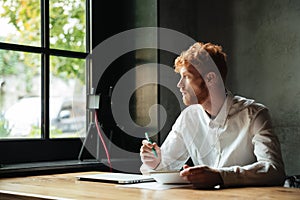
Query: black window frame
x,y
44,149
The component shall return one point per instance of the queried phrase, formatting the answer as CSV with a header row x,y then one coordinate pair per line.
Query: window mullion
x,y
88,5
45,33
45,42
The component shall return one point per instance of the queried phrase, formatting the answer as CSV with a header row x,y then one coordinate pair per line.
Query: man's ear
x,y
211,78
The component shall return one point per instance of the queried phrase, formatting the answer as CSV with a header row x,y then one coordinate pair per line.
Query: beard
x,y
192,97
204,94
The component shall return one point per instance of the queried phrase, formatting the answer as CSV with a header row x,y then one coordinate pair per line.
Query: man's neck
x,y
212,108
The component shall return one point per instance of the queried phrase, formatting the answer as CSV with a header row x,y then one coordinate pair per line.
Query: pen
x,y
153,150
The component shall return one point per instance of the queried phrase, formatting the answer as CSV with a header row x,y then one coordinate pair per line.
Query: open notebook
x,y
121,178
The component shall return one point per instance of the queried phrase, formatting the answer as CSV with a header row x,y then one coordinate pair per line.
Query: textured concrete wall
x,y
266,65
262,40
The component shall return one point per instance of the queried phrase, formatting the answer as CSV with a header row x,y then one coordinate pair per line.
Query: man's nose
x,y
180,84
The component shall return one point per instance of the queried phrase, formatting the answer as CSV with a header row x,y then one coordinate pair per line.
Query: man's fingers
x,y
148,144
147,158
145,142
146,148
185,166
192,170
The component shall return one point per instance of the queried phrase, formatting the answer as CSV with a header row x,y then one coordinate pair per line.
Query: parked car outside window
x,y
66,116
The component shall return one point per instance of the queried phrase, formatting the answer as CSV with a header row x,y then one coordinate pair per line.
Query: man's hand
x,y
202,176
147,155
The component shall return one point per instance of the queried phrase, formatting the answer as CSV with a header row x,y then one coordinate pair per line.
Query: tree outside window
x,y
22,73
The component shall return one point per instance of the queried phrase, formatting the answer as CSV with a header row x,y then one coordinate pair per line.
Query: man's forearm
x,y
257,174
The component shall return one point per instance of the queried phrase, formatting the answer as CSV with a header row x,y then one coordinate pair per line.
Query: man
x,y
229,138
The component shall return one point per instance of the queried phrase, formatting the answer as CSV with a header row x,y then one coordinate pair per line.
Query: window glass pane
x,y
20,22
67,97
20,91
67,25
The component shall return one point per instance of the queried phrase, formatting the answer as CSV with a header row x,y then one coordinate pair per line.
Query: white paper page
x,y
154,186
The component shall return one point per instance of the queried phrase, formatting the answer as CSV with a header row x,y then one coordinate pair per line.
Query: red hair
x,y
198,54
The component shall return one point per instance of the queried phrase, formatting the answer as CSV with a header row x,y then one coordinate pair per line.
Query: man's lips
x,y
183,92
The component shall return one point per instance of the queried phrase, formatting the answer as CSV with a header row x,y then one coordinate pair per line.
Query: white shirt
x,y
239,142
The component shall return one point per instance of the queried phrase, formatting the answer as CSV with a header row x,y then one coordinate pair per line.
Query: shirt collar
x,y
221,117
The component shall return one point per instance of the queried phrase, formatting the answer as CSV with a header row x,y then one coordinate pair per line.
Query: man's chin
x,y
187,101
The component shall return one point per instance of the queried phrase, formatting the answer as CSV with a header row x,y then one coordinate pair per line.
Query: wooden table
x,y
66,186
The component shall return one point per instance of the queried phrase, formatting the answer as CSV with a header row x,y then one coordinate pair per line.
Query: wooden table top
x,y
66,186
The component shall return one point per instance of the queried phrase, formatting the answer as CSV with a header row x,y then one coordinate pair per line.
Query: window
x,y
43,46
